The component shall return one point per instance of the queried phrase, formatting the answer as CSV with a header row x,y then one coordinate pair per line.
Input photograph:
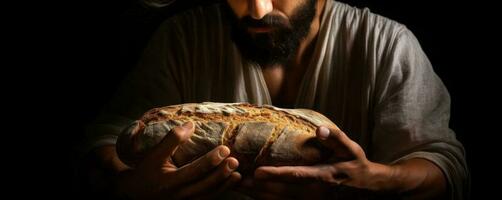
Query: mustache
x,y
266,21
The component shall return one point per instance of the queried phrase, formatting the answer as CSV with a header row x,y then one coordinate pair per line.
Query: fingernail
x,y
232,165
224,152
323,133
187,125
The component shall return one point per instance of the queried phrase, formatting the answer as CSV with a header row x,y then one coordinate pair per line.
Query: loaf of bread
x,y
256,135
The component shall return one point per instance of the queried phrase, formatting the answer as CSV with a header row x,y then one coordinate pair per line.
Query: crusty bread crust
x,y
256,135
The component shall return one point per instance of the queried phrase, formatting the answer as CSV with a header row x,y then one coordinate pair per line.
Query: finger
x,y
203,165
231,182
346,169
173,139
339,142
212,180
323,173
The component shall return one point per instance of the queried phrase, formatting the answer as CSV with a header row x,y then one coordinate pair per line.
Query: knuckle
x,y
330,180
329,176
357,149
330,170
297,174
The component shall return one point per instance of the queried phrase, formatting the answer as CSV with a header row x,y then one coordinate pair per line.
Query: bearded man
x,y
365,72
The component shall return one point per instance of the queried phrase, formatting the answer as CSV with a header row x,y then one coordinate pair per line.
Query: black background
x,y
97,44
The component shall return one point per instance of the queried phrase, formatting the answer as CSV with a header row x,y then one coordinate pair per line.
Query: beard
x,y
277,46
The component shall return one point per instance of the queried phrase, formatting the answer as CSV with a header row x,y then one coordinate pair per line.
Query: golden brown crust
x,y
256,135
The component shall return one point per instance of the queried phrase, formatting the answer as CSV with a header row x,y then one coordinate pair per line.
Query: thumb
x,y
335,139
174,138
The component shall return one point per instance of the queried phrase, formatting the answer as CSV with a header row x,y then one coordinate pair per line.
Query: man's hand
x,y
156,177
349,167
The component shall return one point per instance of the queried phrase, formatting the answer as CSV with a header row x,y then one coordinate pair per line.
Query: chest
x,y
283,85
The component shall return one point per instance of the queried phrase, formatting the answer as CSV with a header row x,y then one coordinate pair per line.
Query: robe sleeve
x,y
412,112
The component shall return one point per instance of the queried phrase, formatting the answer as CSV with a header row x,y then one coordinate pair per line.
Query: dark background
x,y
456,36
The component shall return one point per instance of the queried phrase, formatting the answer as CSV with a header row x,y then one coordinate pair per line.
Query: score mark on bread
x,y
256,135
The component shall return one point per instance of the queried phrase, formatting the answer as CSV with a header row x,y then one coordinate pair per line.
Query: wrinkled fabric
x,y
368,74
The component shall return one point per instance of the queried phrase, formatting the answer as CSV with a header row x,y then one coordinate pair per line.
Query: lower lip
x,y
259,29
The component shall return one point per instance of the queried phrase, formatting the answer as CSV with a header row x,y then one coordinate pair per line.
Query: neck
x,y
283,82
306,48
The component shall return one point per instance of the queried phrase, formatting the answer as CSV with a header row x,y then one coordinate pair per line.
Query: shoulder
x,y
368,38
195,22
363,25
364,19
195,32
204,16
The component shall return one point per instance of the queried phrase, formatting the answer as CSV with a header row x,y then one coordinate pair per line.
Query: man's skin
x,y
157,178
